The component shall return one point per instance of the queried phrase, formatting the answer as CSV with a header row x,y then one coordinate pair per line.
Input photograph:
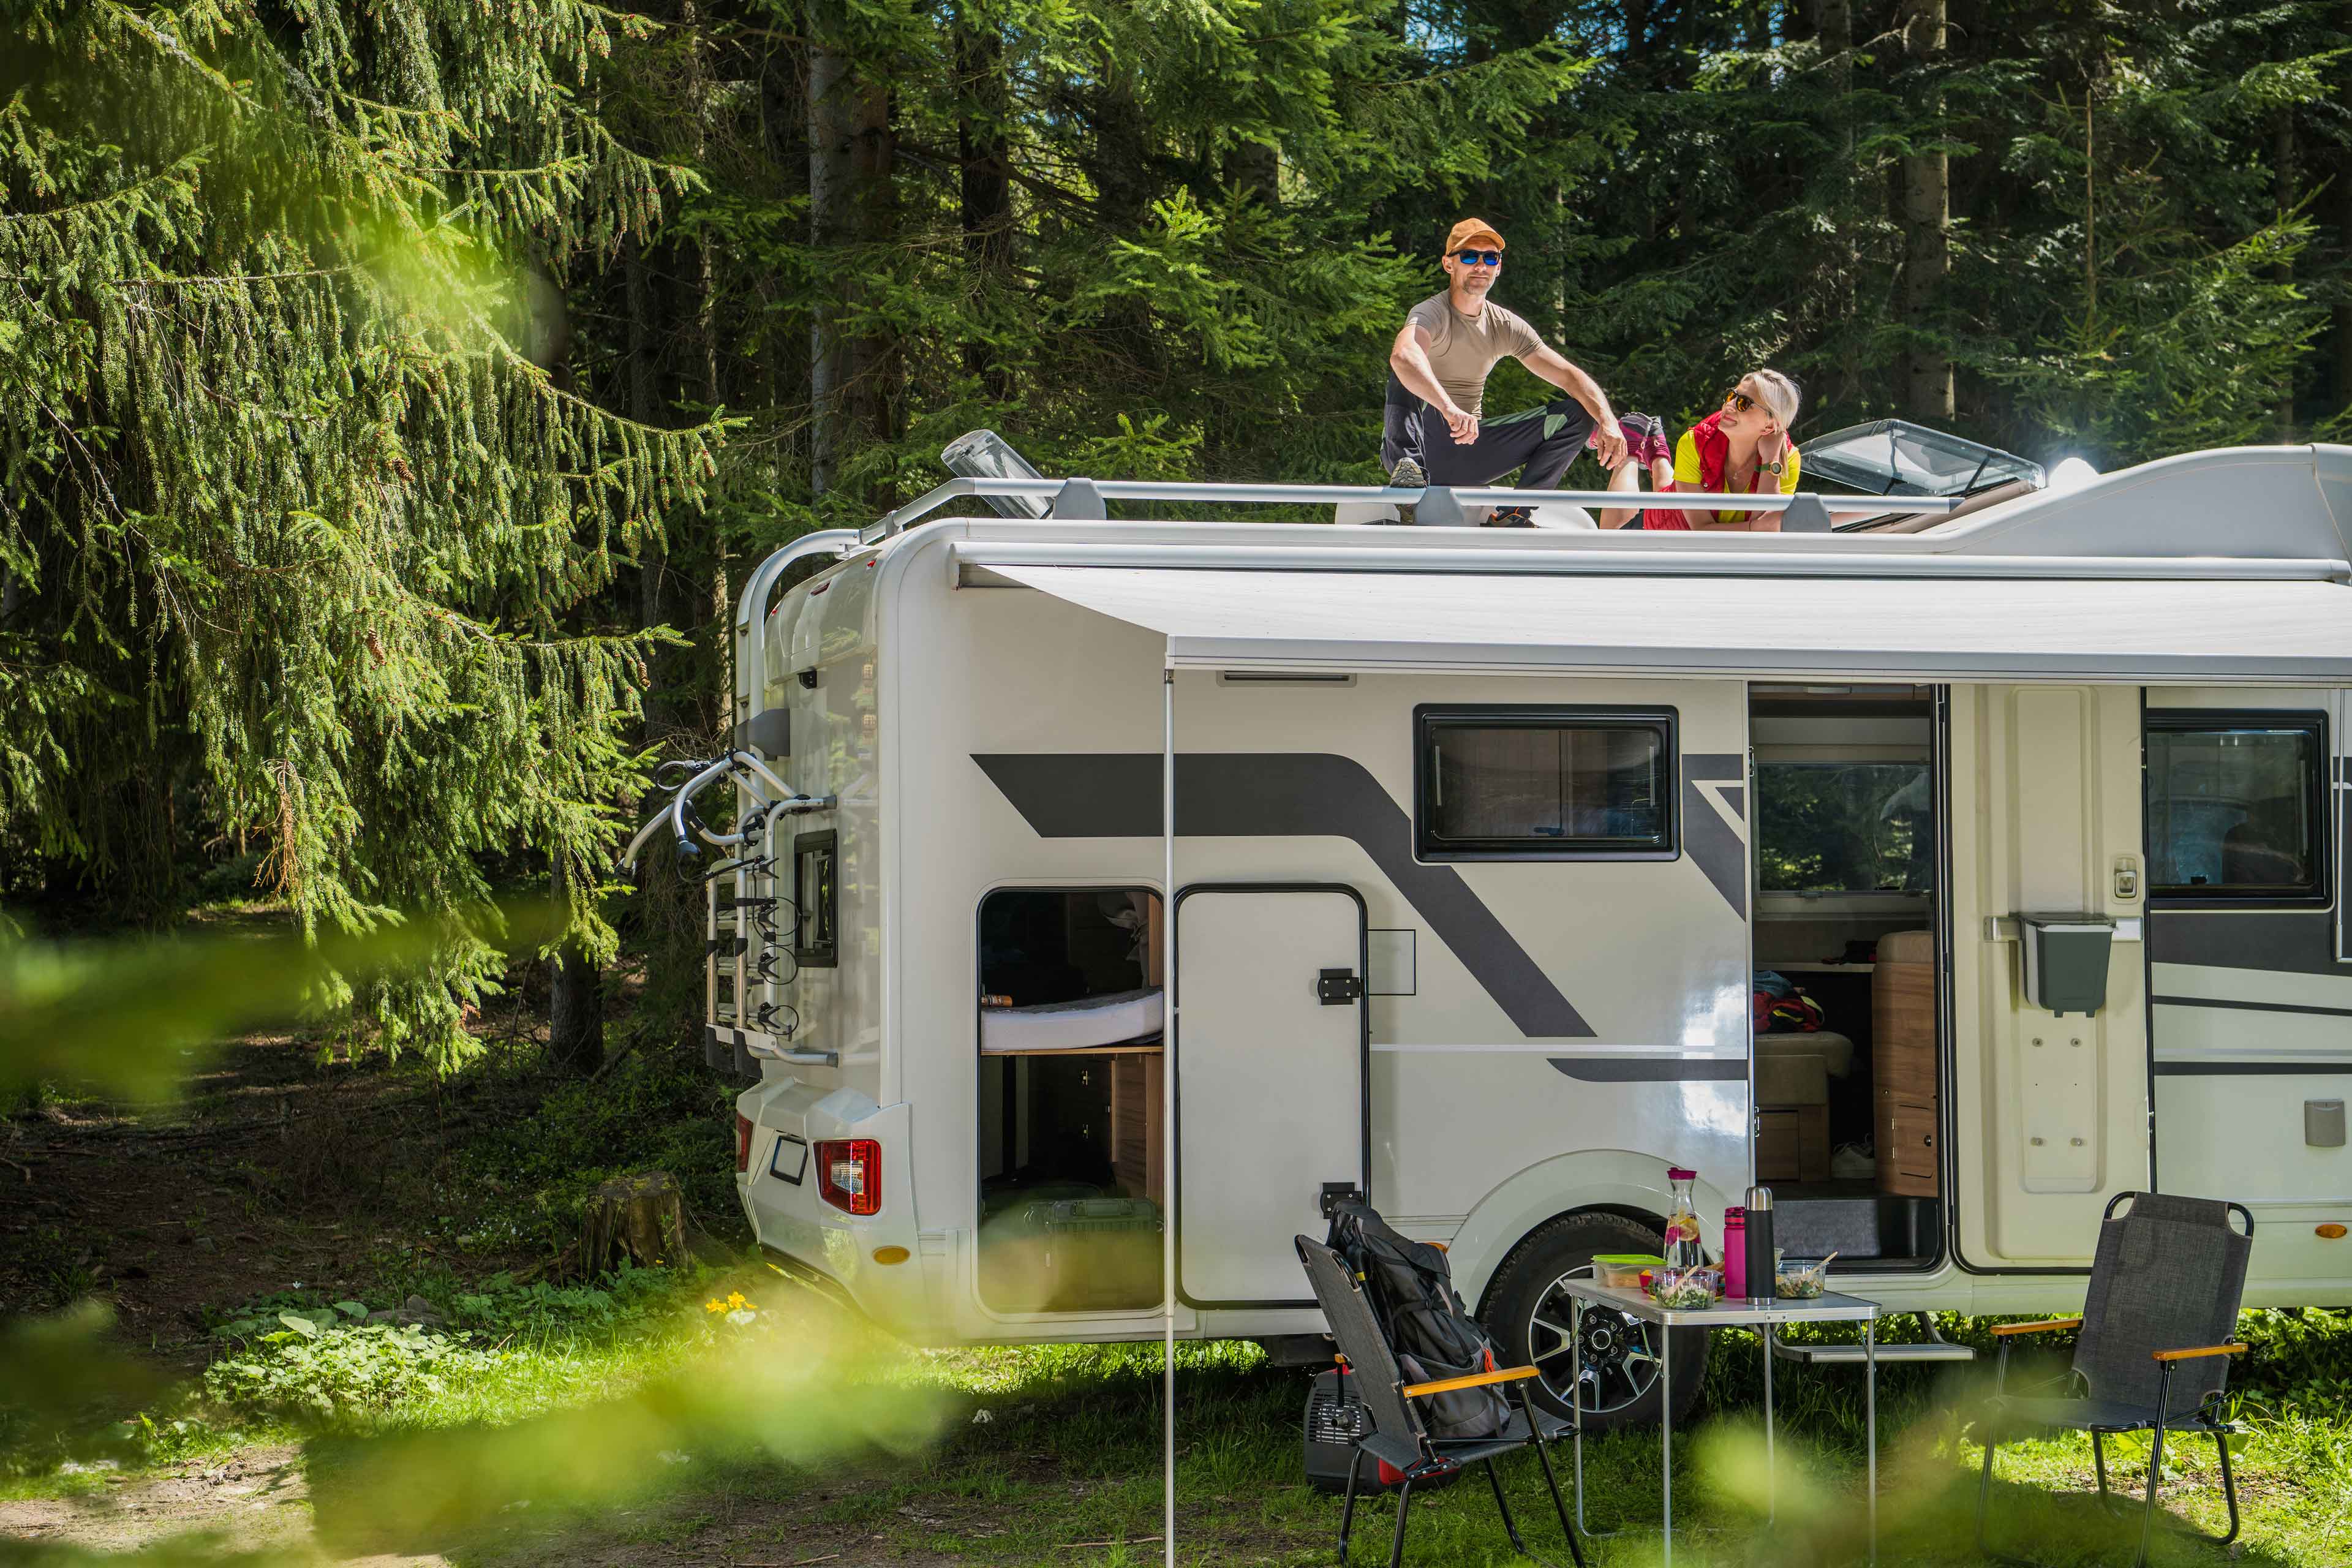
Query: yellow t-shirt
x,y
1687,474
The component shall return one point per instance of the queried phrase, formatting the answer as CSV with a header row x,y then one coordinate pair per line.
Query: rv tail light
x,y
742,1142
849,1174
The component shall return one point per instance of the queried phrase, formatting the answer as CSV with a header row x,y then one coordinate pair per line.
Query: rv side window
x,y
1543,783
2235,805
816,899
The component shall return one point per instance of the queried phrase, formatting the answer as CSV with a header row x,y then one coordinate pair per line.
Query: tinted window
x,y
1534,785
2233,807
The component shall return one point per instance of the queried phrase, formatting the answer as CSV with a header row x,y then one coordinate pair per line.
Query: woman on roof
x,y
1741,448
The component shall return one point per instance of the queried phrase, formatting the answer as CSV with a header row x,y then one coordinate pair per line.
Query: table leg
x,y
1666,1433
1771,1486
1869,1424
1576,1398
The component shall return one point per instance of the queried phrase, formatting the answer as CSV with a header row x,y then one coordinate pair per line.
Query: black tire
x,y
1528,1317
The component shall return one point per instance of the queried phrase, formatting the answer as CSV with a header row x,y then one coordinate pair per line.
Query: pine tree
x,y
303,530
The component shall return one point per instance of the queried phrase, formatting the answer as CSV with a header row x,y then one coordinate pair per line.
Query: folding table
x,y
1762,1312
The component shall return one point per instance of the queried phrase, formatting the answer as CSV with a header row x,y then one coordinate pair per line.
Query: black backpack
x,y
1410,1289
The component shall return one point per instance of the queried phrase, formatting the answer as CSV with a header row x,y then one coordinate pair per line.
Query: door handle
x,y
1338,987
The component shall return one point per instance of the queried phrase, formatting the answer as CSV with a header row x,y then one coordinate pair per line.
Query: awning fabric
x,y
2166,631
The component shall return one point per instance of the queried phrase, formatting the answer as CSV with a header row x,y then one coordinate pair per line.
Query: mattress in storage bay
x,y
1089,1022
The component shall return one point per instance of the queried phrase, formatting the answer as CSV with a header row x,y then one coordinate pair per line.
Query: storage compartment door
x,y
1271,1043
2050,1113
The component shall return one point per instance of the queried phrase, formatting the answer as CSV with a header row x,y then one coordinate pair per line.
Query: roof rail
x,y
1078,497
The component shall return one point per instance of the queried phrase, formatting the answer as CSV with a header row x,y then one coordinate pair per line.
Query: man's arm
x,y
1409,359
1549,363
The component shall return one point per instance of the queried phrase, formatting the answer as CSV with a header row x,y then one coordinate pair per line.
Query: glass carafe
x,y
1684,1247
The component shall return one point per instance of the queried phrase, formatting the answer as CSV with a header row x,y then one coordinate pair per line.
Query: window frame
x,y
2316,790
1428,717
828,956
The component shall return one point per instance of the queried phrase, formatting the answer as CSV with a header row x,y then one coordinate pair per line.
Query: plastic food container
x,y
1683,1290
1622,1270
1799,1279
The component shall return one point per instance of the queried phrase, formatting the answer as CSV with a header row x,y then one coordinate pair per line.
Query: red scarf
x,y
1714,455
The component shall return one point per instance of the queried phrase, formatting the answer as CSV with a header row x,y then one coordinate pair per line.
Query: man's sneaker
x,y
1407,476
1511,517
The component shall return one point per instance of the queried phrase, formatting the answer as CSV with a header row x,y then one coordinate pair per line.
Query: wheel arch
x,y
1589,1181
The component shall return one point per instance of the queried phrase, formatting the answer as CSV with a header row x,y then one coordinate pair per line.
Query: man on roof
x,y
1433,431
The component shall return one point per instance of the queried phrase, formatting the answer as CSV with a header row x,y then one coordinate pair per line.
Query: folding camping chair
x,y
2153,1354
1398,1436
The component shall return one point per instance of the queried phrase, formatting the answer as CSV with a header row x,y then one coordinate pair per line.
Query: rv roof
x,y
2237,512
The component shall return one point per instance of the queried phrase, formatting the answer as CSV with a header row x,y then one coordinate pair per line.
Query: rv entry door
x,y
2050,1100
1271,1040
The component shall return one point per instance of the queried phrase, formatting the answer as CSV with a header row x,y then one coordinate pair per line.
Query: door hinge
x,y
1334,1193
1338,987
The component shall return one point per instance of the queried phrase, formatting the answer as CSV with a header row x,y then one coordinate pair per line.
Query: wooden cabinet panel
x,y
1137,1156
1903,1030
1908,1161
1792,1143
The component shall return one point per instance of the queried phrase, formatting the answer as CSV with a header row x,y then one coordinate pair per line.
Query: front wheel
x,y
1534,1321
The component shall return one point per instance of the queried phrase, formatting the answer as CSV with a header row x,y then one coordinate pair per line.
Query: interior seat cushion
x,y
1835,1050
1908,947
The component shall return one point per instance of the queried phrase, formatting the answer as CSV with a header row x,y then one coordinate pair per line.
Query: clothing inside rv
x,y
1070,1101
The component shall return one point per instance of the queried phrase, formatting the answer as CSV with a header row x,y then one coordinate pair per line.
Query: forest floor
x,y
283,1184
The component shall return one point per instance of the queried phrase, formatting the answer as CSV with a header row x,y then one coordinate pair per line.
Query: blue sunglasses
x,y
1479,257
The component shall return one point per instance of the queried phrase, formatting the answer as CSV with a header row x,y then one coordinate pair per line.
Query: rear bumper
x,y
792,1223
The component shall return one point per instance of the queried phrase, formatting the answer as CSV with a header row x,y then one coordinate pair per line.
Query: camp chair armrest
x,y
1474,1380
2193,1352
2046,1326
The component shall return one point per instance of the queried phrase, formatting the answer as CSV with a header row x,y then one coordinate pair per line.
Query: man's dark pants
x,y
1545,440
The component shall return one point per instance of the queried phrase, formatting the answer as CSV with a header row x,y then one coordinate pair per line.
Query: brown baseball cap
x,y
1469,231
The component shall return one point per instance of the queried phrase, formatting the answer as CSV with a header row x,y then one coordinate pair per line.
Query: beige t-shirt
x,y
1463,349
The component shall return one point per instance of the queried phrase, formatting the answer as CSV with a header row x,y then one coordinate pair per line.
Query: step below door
x,y
1271,1043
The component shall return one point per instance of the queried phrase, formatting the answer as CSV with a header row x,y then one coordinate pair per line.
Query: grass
x,y
627,1421
1043,1455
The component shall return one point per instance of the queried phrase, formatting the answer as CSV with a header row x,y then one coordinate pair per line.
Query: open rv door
x,y
2050,1110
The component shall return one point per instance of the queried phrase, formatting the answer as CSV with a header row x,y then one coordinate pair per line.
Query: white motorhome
x,y
1095,871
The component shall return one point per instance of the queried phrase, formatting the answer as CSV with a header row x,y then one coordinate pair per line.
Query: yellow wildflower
x,y
714,1305
736,1299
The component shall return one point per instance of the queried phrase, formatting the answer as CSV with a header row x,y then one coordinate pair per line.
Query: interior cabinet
x,y
1905,1088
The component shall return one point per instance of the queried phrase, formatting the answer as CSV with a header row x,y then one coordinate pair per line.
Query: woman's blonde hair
x,y
1776,393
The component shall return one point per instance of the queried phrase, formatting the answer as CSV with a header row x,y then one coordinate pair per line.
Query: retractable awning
x,y
1942,627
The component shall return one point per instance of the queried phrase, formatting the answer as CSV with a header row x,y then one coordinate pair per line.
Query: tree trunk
x,y
832,127
871,387
1926,236
2283,173
575,1010
1256,168
638,1217
985,187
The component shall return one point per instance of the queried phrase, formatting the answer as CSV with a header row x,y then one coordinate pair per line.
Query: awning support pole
x,y
1168,1101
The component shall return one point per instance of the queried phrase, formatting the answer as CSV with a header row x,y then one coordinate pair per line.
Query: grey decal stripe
x,y
1712,843
1649,1069
2249,1070
2288,942
2249,1006
1284,795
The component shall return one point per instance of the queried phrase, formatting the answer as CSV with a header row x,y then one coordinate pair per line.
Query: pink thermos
x,y
1734,1253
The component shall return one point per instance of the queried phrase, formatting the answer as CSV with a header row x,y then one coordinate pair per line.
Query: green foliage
x,y
321,1371
300,538
523,1180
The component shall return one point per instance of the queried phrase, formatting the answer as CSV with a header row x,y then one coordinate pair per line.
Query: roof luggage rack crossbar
x,y
1084,496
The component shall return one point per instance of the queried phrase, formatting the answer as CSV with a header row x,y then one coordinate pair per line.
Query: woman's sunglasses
x,y
1737,402
1479,257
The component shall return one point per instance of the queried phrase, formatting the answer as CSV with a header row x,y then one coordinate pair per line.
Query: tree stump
x,y
637,1217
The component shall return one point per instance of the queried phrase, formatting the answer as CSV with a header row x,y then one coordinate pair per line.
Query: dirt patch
x,y
277,1173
